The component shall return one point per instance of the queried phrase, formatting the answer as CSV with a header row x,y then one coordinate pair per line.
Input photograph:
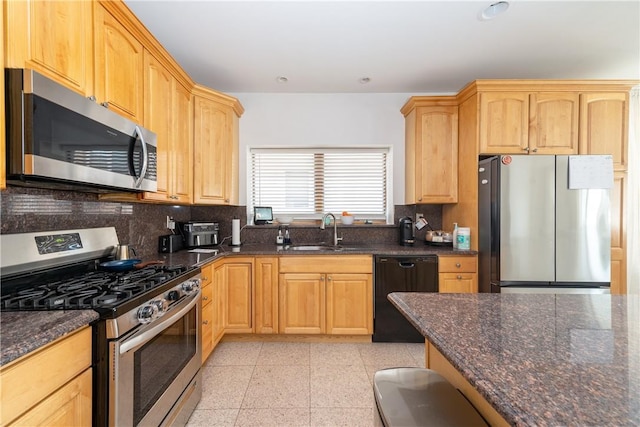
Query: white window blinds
x,y
306,183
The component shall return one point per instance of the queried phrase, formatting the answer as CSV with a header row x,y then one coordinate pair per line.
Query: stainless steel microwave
x,y
58,138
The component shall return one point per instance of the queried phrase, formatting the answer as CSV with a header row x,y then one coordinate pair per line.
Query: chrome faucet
x,y
336,239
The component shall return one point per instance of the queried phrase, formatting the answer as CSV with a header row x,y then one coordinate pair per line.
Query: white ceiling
x,y
402,46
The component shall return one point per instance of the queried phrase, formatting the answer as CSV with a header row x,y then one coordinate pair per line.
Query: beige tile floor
x,y
296,384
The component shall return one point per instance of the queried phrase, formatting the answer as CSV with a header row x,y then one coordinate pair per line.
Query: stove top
x,y
98,290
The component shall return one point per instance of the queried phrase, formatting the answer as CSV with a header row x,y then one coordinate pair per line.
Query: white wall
x,y
322,120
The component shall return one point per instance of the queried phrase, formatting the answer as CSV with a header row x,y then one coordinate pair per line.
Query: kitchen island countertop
x,y
539,360
25,331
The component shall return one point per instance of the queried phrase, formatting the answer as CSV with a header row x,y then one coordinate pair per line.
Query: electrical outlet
x,y
418,216
171,224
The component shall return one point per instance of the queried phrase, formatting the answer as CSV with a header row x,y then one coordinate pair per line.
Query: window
x,y
306,183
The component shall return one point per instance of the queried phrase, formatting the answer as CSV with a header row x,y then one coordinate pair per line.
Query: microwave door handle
x,y
145,157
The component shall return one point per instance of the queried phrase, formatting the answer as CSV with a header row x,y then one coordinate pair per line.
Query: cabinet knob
x,y
205,298
329,278
92,98
459,277
526,149
535,150
226,200
322,279
105,104
205,322
419,199
204,278
458,264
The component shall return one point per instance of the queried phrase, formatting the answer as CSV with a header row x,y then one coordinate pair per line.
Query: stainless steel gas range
x,y
146,344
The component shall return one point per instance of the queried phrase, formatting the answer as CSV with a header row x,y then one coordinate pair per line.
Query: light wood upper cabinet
x,y
216,127
431,150
3,149
604,125
553,121
119,67
168,113
54,38
528,123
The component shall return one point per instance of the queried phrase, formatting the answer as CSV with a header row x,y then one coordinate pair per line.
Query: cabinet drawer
x,y
32,378
207,294
458,283
466,264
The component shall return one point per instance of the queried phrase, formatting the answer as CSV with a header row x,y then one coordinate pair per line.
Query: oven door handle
x,y
148,334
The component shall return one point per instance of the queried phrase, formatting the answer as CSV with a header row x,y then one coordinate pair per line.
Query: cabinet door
x,y
554,123
158,84
54,38
618,235
504,122
457,283
181,147
207,311
219,302
239,294
349,304
68,406
436,155
266,301
212,141
118,66
302,303
604,126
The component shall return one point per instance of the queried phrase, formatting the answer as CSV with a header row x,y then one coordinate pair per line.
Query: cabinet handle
x,y
535,150
459,277
204,279
205,322
92,98
329,278
105,104
526,149
419,199
205,298
322,279
226,200
457,264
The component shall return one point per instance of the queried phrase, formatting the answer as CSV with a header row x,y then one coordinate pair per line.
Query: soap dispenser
x,y
287,238
279,237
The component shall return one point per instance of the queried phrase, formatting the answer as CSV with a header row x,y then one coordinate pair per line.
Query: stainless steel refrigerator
x,y
544,224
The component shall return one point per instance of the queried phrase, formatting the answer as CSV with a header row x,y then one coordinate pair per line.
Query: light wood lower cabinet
x,y
208,310
326,295
266,295
457,274
51,387
238,295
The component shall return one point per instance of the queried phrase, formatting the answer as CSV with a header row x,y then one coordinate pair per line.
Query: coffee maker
x,y
406,234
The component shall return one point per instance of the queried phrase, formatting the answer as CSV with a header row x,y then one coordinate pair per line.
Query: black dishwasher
x,y
400,274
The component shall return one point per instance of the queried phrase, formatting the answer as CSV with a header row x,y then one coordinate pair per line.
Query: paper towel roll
x,y
235,232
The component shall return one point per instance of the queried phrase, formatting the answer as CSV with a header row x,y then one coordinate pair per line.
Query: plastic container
x,y
463,239
347,219
455,235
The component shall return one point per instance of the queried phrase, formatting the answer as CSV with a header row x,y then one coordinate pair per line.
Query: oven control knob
x,y
173,296
161,304
147,313
191,286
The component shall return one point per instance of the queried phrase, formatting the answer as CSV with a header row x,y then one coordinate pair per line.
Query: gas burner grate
x,y
90,290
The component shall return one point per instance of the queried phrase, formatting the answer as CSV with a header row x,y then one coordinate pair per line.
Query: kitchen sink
x,y
327,248
311,248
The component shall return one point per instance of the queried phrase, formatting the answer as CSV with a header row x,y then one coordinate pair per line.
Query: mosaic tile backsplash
x,y
140,224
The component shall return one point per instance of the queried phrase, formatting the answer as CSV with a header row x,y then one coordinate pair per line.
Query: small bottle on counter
x,y
454,240
287,238
279,237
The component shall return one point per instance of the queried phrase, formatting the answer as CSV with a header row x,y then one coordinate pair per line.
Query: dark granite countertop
x,y
24,332
252,249
540,360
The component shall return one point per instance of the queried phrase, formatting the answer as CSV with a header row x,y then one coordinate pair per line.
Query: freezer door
x,y
583,231
527,219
